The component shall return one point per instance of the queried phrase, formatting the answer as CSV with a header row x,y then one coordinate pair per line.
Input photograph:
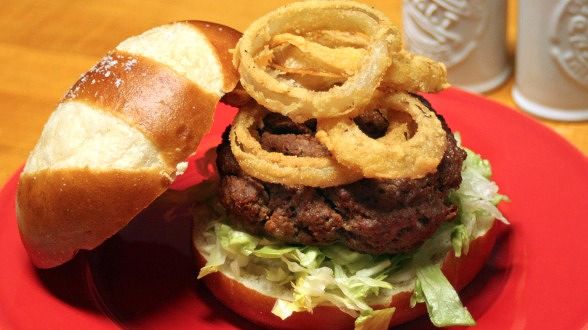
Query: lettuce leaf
x,y
443,304
375,320
432,287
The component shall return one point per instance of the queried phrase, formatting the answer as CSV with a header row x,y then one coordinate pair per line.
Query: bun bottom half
x,y
256,307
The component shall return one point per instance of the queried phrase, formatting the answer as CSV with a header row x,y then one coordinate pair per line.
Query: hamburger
x,y
373,244
343,199
305,257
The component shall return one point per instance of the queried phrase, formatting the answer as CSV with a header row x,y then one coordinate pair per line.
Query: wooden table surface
x,y
46,45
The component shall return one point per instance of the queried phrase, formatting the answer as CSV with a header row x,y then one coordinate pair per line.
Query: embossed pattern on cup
x,y
469,36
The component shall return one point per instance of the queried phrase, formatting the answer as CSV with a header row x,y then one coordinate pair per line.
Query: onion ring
x,y
312,65
344,60
387,157
276,167
300,103
335,38
414,73
327,66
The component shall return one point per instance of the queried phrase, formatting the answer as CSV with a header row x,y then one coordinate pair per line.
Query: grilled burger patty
x,y
370,215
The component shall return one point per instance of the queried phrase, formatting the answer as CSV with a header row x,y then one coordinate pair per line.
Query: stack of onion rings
x,y
333,60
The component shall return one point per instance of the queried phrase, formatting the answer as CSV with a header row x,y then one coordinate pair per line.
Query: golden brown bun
x,y
121,135
256,307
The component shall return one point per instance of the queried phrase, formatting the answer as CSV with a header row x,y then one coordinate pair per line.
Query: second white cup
x,y
552,59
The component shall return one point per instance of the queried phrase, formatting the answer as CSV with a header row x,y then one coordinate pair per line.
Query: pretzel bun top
x,y
120,136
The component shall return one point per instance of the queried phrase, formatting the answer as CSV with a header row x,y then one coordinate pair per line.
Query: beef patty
x,y
370,215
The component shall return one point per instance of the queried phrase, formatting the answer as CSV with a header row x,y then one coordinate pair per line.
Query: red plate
x,y
144,277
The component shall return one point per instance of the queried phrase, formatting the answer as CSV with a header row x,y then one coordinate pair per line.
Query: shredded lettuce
x,y
354,281
476,200
376,320
283,309
460,240
316,275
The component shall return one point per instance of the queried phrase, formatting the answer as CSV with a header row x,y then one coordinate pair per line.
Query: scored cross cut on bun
x,y
121,135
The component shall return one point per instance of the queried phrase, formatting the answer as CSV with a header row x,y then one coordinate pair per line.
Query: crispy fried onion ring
x,y
276,167
394,155
316,66
415,73
347,21
312,65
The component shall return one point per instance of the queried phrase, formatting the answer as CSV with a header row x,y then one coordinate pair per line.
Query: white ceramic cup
x,y
552,59
469,36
